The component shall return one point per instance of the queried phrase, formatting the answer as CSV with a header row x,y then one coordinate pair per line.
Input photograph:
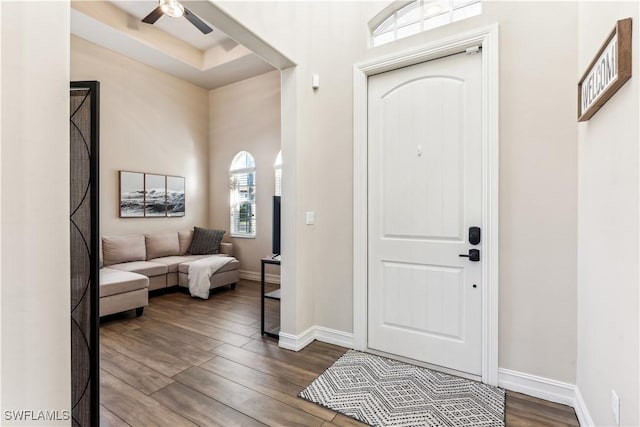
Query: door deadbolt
x,y
474,235
474,255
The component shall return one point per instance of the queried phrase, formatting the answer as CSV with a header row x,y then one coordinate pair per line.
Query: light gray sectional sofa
x,y
135,264
121,291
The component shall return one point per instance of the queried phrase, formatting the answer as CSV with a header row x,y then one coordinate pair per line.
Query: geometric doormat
x,y
384,392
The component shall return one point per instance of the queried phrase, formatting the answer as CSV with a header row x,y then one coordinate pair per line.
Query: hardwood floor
x,y
189,362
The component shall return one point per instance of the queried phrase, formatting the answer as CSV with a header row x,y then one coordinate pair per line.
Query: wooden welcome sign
x,y
609,70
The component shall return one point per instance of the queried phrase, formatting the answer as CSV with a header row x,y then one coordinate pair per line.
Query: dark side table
x,y
271,295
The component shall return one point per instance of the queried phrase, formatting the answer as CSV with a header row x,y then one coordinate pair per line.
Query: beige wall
x,y
149,122
608,250
245,116
538,166
35,210
538,185
539,178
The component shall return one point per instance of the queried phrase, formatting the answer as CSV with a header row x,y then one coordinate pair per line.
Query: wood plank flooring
x,y
189,362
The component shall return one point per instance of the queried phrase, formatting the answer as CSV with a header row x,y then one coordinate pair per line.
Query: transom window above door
x,y
423,15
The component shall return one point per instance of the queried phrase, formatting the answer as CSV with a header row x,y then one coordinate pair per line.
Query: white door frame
x,y
487,38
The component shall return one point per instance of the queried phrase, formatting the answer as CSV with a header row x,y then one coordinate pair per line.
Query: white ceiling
x,y
230,63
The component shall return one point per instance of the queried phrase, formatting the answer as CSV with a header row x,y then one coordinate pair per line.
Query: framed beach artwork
x,y
155,195
131,194
148,195
175,196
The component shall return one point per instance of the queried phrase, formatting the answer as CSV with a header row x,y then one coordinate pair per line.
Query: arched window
x,y
242,197
277,166
423,15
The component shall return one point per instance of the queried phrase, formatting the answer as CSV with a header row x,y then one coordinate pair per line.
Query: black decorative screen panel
x,y
84,252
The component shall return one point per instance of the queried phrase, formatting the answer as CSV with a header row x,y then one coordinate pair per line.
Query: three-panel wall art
x,y
147,195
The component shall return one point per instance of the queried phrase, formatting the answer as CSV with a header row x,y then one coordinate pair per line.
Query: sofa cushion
x,y
113,282
172,262
162,244
184,238
233,265
226,248
205,241
126,248
146,268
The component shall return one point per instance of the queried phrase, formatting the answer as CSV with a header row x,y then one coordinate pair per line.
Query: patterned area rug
x,y
384,392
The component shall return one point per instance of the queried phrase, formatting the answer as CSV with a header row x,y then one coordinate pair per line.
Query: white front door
x,y
425,191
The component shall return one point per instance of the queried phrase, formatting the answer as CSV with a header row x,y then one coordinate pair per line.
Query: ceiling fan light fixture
x,y
172,8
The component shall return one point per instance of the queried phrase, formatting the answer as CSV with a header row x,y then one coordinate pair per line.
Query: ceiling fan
x,y
174,9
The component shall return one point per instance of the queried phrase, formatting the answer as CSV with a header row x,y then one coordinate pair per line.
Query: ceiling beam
x,y
221,20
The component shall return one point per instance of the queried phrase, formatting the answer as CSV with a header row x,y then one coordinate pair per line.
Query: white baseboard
x,y
335,337
540,387
255,276
320,333
547,389
584,418
297,342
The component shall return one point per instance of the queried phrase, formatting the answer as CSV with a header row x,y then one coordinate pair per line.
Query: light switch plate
x,y
311,218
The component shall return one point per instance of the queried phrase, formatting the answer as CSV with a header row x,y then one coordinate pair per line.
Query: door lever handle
x,y
474,255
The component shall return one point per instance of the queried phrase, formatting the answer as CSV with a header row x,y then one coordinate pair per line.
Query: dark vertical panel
x,y
84,234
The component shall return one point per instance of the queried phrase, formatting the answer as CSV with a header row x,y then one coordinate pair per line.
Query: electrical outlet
x,y
615,407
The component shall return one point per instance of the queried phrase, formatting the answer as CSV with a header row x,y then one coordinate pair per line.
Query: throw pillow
x,y
205,241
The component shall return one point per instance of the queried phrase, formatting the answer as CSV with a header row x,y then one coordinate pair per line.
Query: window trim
x,y
233,189
277,167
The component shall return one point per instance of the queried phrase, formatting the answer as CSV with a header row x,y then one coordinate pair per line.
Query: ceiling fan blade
x,y
197,22
153,16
